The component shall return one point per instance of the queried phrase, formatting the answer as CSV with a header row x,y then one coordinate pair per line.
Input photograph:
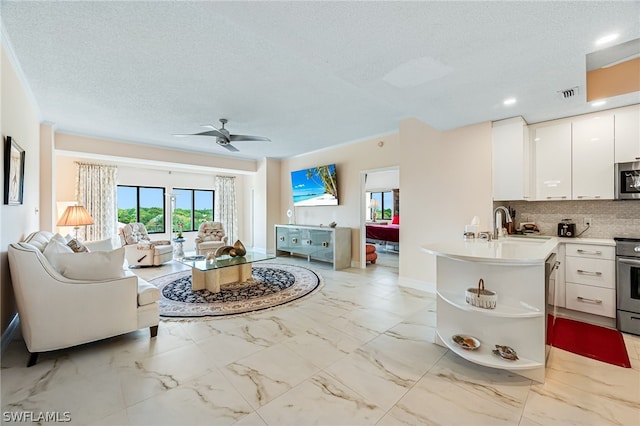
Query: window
x,y
384,211
142,204
193,206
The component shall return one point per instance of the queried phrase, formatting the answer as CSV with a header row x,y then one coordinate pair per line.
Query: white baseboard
x,y
9,333
427,286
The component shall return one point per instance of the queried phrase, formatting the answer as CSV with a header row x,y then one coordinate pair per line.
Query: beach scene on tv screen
x,y
316,186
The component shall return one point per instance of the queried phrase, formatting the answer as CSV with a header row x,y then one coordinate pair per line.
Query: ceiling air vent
x,y
568,93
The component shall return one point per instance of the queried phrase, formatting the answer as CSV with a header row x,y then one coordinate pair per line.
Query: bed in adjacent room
x,y
384,233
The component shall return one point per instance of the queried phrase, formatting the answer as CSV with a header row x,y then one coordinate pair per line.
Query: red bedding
x,y
389,233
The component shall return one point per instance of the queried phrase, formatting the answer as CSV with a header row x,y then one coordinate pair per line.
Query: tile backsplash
x,y
608,218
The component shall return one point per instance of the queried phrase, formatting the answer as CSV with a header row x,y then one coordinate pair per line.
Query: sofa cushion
x,y
147,293
53,248
39,239
95,266
101,245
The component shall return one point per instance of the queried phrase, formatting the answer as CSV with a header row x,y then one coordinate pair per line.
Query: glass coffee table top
x,y
203,264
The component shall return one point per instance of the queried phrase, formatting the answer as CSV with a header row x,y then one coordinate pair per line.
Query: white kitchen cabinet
x,y
511,160
552,146
590,279
627,135
592,158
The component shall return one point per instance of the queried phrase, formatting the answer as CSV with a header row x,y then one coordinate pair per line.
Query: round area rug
x,y
271,285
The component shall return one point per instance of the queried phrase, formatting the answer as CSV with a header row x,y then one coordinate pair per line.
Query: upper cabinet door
x,y
593,157
627,136
511,160
552,146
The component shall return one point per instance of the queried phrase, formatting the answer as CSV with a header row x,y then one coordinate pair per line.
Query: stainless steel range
x,y
628,284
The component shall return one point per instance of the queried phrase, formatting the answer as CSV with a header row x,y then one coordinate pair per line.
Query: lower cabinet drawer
x,y
593,300
597,272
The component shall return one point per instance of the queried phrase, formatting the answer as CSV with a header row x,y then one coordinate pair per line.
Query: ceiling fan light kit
x,y
223,137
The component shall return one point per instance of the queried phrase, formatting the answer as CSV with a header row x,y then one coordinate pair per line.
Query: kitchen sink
x,y
529,236
524,239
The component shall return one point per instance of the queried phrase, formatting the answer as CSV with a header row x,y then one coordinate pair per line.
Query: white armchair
x,y
210,237
58,311
140,250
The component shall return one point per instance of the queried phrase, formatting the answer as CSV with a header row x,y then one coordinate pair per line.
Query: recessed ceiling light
x,y
509,101
598,103
606,39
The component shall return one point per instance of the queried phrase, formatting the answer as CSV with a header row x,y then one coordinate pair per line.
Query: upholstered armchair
x,y
210,237
140,250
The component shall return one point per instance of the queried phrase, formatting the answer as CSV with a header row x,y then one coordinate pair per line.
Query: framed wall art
x,y
13,172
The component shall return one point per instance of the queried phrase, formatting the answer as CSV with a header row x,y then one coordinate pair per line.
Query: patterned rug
x,y
271,285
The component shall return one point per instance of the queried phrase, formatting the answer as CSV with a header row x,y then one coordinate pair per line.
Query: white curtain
x,y
96,190
226,210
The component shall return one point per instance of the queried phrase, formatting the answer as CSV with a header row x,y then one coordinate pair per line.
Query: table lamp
x,y
75,216
374,207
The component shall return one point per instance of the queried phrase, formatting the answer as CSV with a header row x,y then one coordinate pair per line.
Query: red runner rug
x,y
592,341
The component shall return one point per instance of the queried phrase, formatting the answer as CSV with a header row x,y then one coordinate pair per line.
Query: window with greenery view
x,y
142,204
193,206
385,204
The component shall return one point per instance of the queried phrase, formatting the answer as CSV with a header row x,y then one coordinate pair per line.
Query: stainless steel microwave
x,y
627,181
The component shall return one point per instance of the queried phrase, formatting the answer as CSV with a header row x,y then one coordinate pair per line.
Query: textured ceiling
x,y
308,75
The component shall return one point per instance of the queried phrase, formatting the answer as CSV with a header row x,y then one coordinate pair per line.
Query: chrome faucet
x,y
497,224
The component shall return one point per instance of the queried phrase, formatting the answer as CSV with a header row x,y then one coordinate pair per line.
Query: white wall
x,y
350,161
18,119
445,179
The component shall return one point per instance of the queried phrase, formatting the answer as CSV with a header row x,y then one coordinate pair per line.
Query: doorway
x,y
380,213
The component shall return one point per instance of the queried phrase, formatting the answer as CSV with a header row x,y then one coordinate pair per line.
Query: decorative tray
x,y
466,342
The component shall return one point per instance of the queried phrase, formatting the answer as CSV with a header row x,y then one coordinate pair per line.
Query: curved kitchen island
x,y
515,269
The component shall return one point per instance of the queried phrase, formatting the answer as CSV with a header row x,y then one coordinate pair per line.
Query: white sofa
x,y
57,312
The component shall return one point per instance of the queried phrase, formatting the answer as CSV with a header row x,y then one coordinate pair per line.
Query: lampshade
x,y
373,203
75,216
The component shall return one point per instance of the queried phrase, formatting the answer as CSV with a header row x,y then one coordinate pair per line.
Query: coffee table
x,y
212,273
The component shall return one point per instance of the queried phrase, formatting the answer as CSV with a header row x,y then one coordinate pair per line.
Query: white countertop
x,y
509,250
594,241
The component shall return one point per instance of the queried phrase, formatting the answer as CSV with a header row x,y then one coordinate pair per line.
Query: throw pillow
x,y
395,220
101,245
55,247
77,246
94,266
60,238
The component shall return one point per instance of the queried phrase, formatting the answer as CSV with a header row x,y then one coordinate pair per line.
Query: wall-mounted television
x,y
315,186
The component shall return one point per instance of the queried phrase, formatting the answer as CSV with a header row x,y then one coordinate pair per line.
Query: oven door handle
x,y
627,261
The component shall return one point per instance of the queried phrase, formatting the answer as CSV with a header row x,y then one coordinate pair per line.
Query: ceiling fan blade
x,y
207,133
229,147
235,138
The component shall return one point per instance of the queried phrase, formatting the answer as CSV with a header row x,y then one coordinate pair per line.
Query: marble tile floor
x,y
360,351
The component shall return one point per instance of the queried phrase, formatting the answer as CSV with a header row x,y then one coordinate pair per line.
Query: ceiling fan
x,y
224,138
